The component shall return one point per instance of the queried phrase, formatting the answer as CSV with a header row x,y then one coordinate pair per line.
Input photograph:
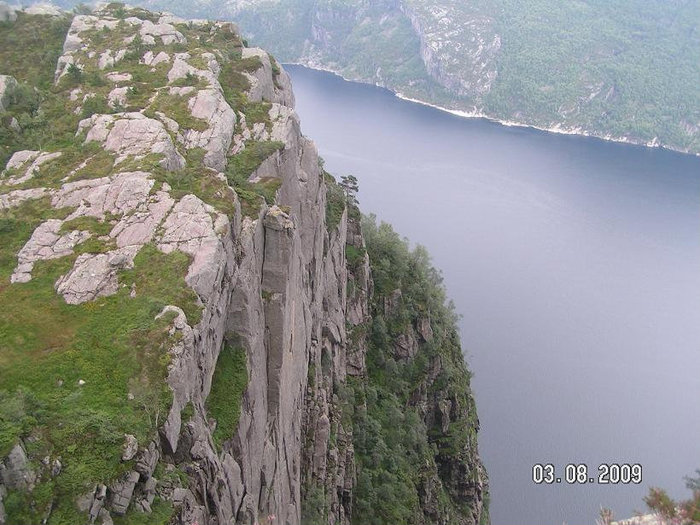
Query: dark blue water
x,y
576,266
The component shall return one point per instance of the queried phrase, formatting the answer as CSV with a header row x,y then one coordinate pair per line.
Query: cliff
x,y
190,327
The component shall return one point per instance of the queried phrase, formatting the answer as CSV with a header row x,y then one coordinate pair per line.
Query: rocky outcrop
x,y
280,89
133,135
7,84
15,470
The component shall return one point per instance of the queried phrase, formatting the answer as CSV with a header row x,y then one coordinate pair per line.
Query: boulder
x,y
93,502
131,447
121,492
425,329
191,227
210,105
118,195
19,161
45,9
146,461
166,32
95,275
117,97
133,135
264,86
7,84
46,243
405,346
3,514
17,197
15,471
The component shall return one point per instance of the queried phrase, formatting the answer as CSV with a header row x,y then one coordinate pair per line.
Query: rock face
x,y
271,279
459,48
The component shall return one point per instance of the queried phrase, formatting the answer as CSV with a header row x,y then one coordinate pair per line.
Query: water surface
x,y
576,266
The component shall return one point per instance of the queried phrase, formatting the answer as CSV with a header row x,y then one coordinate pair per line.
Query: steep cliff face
x,y
187,295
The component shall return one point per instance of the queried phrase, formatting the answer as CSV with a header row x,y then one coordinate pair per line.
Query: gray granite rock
x,y
7,84
133,135
47,242
210,106
17,197
95,275
276,281
15,471
121,492
131,447
27,164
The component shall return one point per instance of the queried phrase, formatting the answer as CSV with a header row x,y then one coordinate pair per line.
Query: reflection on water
x,y
576,266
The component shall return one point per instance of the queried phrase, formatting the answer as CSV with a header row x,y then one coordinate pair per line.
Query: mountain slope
x,y
187,306
620,70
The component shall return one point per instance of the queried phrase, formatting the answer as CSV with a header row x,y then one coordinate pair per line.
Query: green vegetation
x,y
681,512
87,223
195,178
42,121
48,347
241,167
234,82
41,40
175,107
354,256
335,202
95,105
228,385
640,58
397,452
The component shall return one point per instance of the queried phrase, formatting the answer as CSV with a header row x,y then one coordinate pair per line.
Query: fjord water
x,y
575,264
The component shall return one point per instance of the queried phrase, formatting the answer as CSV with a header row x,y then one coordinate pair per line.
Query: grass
x,y
257,112
41,40
47,346
86,223
175,107
234,82
241,167
201,181
228,385
163,511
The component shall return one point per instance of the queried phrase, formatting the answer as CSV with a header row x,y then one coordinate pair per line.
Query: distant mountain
x,y
626,70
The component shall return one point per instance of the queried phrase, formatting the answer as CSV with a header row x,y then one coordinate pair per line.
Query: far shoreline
x,y
558,130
